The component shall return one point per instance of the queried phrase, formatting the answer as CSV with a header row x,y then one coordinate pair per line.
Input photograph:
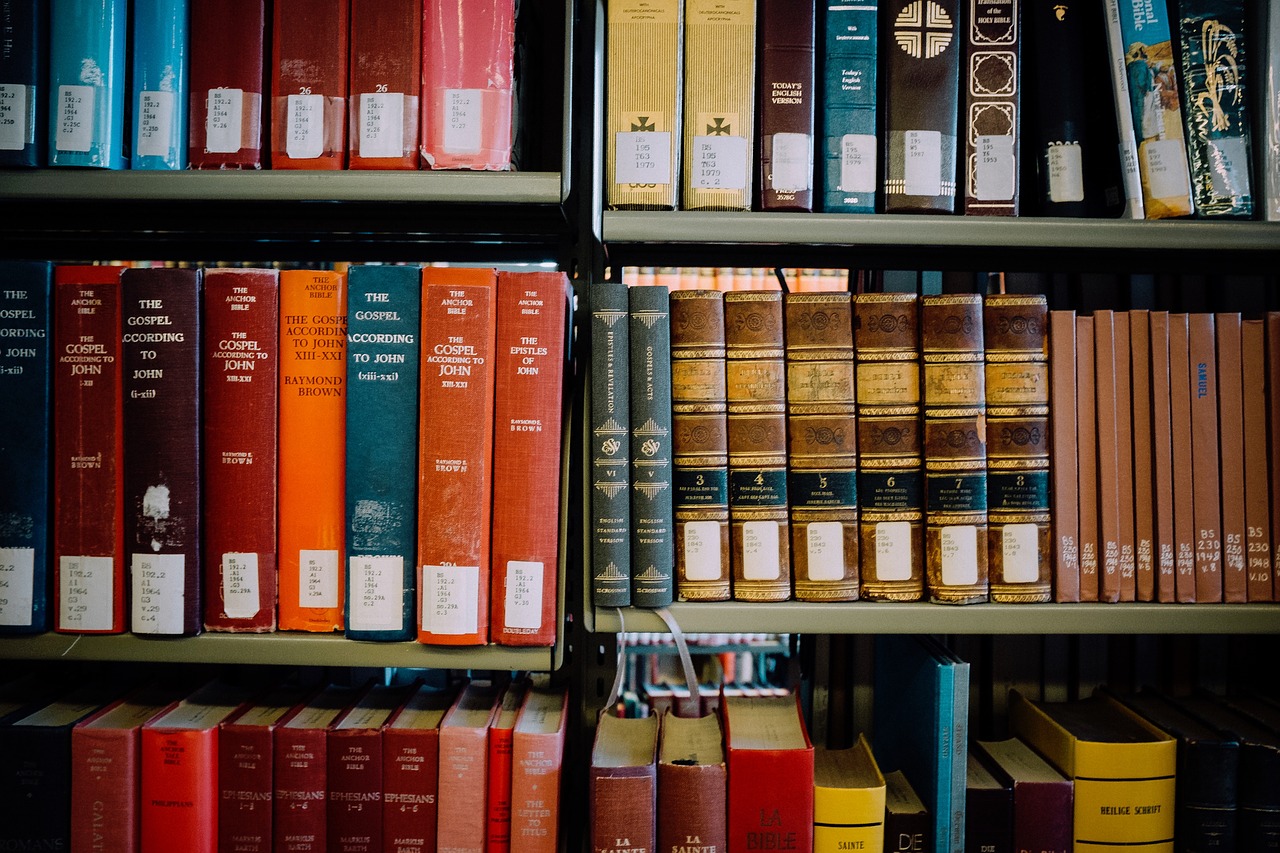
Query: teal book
x,y
384,307
25,471
652,499
24,107
161,84
610,446
848,77
87,70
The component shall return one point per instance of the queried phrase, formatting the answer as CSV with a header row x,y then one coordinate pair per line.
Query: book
x,y
26,324
1184,523
355,770
1087,456
160,75
1273,384
385,84
1043,799
24,110
88,446
241,369
906,819
717,160
785,98
1269,116
229,44
1162,458
498,838
87,87
311,444
821,445
532,318
310,42
410,765
1143,477
468,70
1202,377
890,446
1106,383
455,446
1127,130
1231,458
610,445
1063,461
1259,543
383,352
622,781
700,446
464,753
849,107
992,108
161,361
770,768
692,783
988,809
1124,456
652,502
848,799
643,61
537,767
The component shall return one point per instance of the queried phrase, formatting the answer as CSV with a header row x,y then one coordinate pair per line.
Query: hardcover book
x,y
906,819
1124,444
411,766
1269,116
1259,543
1231,458
1184,504
770,767
310,41
24,72
1087,449
86,86
1273,383
498,785
785,111
692,783
1043,799
1162,458
385,84
160,68
988,809
992,109
1108,450
848,799
537,769
1143,477
610,445
622,784
1202,379
355,771
229,45
1063,460
1127,129
847,69
464,755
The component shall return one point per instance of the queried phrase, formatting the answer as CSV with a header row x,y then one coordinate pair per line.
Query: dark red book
x,y
498,801
770,765
355,771
1202,379
309,44
785,105
228,48
88,446
623,784
1231,457
1043,799
386,78
692,783
410,771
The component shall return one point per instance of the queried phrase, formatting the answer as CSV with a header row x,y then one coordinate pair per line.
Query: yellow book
x,y
848,800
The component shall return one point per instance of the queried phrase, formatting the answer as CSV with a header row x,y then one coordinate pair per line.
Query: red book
x,y
410,771
386,78
228,46
537,759
241,375
692,783
498,832
355,771
1162,458
1184,525
309,44
1202,379
770,765
1235,587
1258,508
88,446
468,58
528,404
464,755
623,785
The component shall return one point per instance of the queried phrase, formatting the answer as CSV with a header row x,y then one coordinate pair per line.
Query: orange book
x,y
537,759
312,441
464,760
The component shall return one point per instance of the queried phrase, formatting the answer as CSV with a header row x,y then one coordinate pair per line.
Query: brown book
x,y
1231,456
1273,386
785,104
410,770
692,783
822,445
890,435
1143,482
1124,456
992,112
1257,510
1162,458
1202,379
1063,459
623,784
1087,444
1184,524
1104,338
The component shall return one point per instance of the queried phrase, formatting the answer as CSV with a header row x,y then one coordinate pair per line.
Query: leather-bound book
x,y
610,445
1259,543
1231,393
785,105
1064,500
310,43
229,46
992,112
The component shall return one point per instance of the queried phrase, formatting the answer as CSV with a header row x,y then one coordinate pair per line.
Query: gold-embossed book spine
x,y
992,90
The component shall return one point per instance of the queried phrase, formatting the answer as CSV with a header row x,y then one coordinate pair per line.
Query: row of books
x,y
1103,107
326,84
376,451
357,768
826,446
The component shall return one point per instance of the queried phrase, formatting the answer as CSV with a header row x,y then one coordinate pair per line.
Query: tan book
x,y
1143,478
1087,442
890,448
1063,460
1273,395
1184,523
1162,458
1202,379
822,445
1257,510
1104,342
1231,456
1124,456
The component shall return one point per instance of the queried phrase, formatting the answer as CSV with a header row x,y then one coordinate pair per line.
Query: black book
x,y
907,826
652,501
988,810
610,446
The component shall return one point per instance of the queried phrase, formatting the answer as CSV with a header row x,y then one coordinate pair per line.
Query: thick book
x,y
88,450
622,784
652,501
312,443
1108,453
1231,458
241,369
24,71
385,84
610,445
355,770
770,765
464,763
26,376
468,70
717,160
229,47
310,43
160,76
1143,476
785,105
1087,457
455,449
1184,522
886,334
1202,379
537,770
822,445
410,770
1043,799
643,61
1258,509
1162,505
529,368
1064,462
848,116
700,446
497,833
161,360
991,81
87,86
692,783
906,818
988,809
383,328
848,799
921,88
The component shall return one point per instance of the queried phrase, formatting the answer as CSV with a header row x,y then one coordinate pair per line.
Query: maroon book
x,y
355,771
623,784
227,51
1043,799
410,771
309,46
240,367
386,79
785,103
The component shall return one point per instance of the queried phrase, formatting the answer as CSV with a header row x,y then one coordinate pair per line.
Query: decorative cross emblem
x,y
643,125
718,127
923,29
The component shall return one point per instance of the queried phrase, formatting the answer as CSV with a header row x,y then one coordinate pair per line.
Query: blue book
x,y
161,84
87,83
23,71
384,304
25,288
849,107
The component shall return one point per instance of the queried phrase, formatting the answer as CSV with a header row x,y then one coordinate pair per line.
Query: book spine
x,y
785,105
822,445
1143,478
1063,459
849,108
178,794
86,111
1270,118
1042,813
770,798
300,788
993,108
1019,544
1184,523
1202,377
24,109
691,804
1273,397
1126,131
1162,459
610,446
25,422
955,451
1124,457
88,445
312,441
529,379
652,501
717,161
700,445
497,836
385,306
623,805
755,383
228,45
386,79
890,446
42,755
1060,134
537,767
1258,541
1087,448
463,780
1105,379
161,79
245,763
1228,334
411,778
354,809
104,775
309,50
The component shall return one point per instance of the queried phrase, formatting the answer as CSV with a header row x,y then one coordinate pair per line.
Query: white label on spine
x,y
524,595
760,551
17,585
922,162
826,551
959,550
1066,172
159,587
1020,548
377,593
318,578
1228,165
993,170
893,551
858,163
223,122
792,162
1167,175
85,593
304,127
450,599
155,124
75,118
381,131
720,162
241,592
463,120
643,157
13,118
702,551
